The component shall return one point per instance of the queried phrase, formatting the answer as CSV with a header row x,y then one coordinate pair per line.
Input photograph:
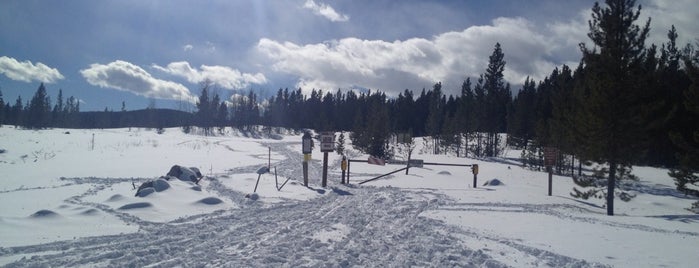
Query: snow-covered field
x,y
67,199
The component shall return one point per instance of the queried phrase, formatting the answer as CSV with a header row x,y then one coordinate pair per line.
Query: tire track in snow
x,y
373,227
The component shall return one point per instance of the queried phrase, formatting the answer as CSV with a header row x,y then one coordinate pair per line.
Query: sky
x,y
160,52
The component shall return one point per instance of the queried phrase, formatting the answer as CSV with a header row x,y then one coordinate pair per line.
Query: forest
x,y
625,103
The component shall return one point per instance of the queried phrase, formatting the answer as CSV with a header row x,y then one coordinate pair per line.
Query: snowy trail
x,y
345,226
369,228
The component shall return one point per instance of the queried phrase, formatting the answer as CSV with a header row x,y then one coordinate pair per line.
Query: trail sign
x,y
327,142
306,143
550,156
404,138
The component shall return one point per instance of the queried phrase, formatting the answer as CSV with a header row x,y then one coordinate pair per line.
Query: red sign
x,y
550,156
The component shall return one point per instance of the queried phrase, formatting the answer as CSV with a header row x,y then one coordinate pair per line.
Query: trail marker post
x,y
550,155
474,169
306,149
327,144
343,165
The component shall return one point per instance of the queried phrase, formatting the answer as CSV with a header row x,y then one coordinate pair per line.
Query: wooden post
x,y
269,159
474,169
343,166
305,173
550,169
325,170
348,171
407,167
258,182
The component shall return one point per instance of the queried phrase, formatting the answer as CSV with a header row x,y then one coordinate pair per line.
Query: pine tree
x,y
39,109
203,115
18,112
436,116
340,148
521,120
686,174
2,109
609,113
497,100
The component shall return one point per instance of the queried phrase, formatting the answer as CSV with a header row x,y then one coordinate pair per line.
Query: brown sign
x,y
550,156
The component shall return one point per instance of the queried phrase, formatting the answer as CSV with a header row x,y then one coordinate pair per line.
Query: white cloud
x,y
221,75
664,14
26,71
187,47
126,76
325,10
417,62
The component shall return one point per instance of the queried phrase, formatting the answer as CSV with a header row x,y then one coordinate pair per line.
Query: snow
x,y
66,201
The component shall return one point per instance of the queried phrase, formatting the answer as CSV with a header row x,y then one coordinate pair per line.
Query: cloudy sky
x,y
106,52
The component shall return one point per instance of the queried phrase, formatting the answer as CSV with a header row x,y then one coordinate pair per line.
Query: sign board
x,y
327,142
307,143
376,161
415,163
404,138
550,155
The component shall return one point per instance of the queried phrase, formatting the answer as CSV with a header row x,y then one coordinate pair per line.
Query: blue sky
x,y
106,52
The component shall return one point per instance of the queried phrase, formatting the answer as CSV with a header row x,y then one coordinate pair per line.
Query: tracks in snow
x,y
372,227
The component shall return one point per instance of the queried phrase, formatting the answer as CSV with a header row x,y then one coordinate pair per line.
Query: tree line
x,y
40,113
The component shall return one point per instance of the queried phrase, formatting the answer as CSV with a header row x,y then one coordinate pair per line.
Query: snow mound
x,y
145,191
185,174
44,213
493,182
253,196
90,212
210,201
196,188
115,198
444,172
160,185
136,205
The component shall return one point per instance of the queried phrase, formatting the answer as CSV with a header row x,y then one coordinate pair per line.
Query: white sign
x,y
327,142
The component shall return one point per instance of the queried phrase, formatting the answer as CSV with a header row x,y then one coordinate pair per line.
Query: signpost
x,y
474,169
550,155
306,149
327,144
343,165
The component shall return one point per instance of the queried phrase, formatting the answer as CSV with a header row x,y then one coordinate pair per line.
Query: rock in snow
x,y
185,174
143,192
161,185
493,182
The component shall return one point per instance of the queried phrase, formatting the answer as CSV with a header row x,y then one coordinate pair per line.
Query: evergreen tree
x,y
222,116
2,109
203,115
57,113
18,112
39,109
686,178
465,115
608,117
497,99
521,120
435,117
340,148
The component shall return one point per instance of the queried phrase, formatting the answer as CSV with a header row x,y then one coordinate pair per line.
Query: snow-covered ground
x,y
67,198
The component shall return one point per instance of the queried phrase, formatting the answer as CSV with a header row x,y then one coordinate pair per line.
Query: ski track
x,y
384,229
